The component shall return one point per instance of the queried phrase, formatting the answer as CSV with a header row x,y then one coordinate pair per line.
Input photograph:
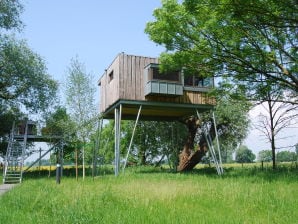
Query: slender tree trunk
x,y
142,156
189,157
272,134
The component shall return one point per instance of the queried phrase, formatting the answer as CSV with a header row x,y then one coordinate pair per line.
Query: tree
x,y
265,156
247,40
23,77
10,14
23,74
80,101
244,155
155,142
232,125
275,117
59,124
285,156
25,85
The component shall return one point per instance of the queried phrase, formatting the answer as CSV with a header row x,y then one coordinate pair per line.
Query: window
x,y
194,81
111,76
167,76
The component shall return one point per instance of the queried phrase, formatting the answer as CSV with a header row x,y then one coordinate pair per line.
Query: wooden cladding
x,y
125,80
128,80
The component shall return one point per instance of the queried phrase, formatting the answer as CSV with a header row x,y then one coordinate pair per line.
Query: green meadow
x,y
151,195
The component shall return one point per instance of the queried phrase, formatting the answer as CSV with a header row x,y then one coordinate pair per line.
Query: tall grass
x,y
146,195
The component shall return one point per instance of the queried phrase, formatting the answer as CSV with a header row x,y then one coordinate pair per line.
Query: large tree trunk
x,y
189,157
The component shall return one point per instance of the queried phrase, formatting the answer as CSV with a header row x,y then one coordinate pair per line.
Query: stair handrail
x,y
8,151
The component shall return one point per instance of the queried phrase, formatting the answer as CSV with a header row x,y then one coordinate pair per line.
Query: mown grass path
x,y
151,196
6,187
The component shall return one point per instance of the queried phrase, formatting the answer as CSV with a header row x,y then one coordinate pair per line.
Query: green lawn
x,y
147,195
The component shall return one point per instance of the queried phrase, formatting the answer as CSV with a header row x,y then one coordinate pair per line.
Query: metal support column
x,y
117,138
132,137
97,146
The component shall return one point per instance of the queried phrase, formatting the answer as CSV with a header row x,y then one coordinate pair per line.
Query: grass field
x,y
150,195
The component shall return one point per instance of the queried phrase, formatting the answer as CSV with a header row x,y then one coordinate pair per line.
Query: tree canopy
x,y
244,155
23,76
24,81
265,155
250,41
286,156
10,14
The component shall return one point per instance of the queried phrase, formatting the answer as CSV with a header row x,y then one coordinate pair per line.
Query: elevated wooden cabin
x,y
135,80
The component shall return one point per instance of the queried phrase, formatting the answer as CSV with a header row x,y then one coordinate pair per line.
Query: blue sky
x,y
96,31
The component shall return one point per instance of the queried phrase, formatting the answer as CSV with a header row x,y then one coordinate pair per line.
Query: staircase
x,y
15,154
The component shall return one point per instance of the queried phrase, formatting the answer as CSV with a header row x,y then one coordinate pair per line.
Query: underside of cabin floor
x,y
155,110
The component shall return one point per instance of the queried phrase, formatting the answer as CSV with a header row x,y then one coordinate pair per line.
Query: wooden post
x,y
39,164
262,164
50,165
83,158
76,158
96,147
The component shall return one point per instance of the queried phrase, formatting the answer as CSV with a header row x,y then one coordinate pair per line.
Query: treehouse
x,y
134,81
133,87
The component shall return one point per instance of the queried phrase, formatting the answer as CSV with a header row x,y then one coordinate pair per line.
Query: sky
x,y
96,31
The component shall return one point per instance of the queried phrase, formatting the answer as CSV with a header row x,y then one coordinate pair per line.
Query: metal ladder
x,y
15,154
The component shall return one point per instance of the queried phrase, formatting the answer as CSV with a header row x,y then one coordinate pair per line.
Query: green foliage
x,y
250,41
10,14
286,156
106,150
244,155
148,195
232,120
59,124
24,79
158,141
80,90
80,99
265,156
154,142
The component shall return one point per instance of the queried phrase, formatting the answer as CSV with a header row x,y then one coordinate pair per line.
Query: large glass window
x,y
167,76
195,81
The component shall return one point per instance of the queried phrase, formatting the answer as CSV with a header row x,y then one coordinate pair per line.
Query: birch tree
x,y
80,99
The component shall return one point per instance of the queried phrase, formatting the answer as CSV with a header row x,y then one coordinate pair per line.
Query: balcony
x,y
155,87
166,83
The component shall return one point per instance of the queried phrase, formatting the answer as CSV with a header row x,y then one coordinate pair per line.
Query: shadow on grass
x,y
284,173
67,172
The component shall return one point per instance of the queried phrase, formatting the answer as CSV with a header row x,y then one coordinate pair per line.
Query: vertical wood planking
x,y
135,77
128,83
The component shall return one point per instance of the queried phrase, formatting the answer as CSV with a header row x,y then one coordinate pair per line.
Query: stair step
x,y
13,175
5,181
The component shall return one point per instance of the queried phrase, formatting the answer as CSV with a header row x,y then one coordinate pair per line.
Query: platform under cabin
x,y
133,81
